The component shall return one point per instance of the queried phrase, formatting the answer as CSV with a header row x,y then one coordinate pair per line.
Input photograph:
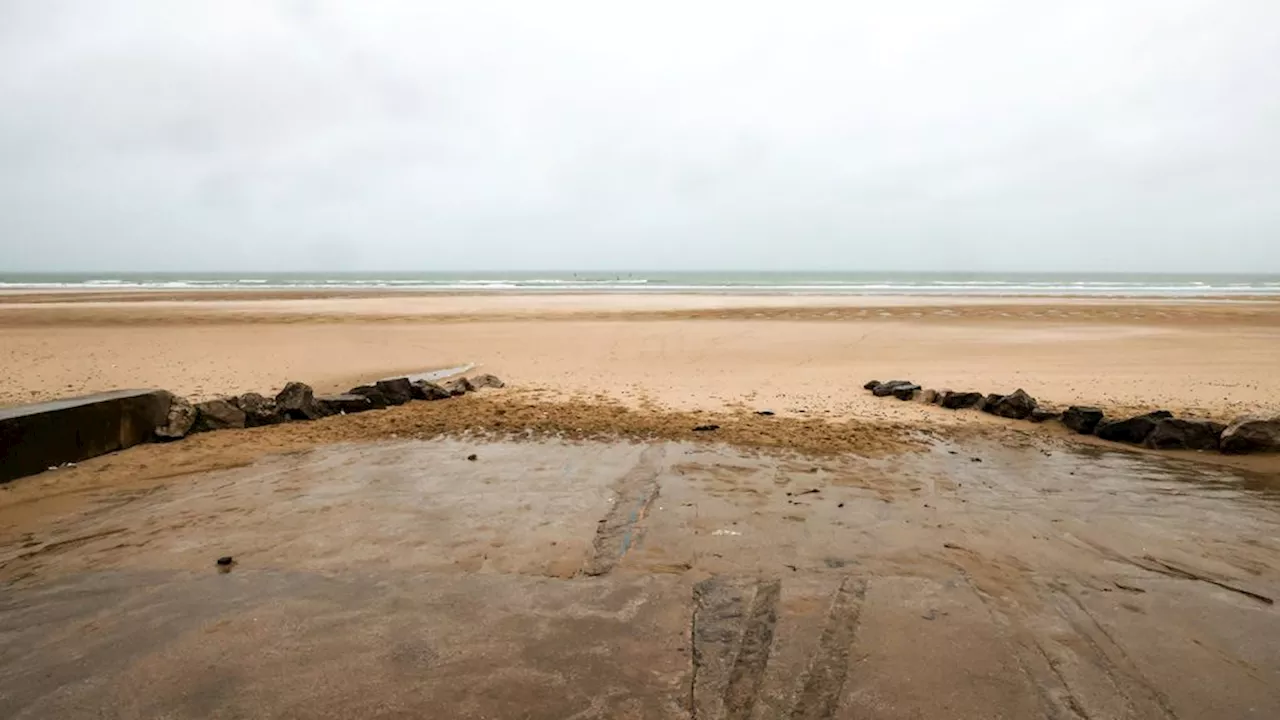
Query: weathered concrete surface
x,y
653,581
34,438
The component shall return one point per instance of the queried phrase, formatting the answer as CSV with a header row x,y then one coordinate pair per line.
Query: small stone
x,y
225,560
1041,414
766,413
706,428
960,400
473,457
886,389
460,386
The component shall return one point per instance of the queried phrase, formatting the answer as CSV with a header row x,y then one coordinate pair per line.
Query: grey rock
x,y
427,390
218,415
397,391
1042,414
960,400
486,381
344,404
297,401
906,392
885,389
460,386
180,420
1082,418
1185,434
377,400
1132,430
1252,434
990,402
871,385
929,397
258,410
1017,405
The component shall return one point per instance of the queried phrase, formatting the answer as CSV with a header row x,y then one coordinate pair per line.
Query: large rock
x,y
1185,434
1082,419
960,400
486,380
427,390
1252,434
871,385
1017,405
990,402
36,437
377,399
461,386
929,397
258,410
220,414
344,404
180,420
297,401
885,389
397,391
1134,430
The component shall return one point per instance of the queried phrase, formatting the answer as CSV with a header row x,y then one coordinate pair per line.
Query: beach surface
x,y
569,546
786,353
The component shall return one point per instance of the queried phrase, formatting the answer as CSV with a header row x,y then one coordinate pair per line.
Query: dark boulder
x,y
1042,414
1183,434
1132,430
344,404
377,400
181,418
1082,419
218,415
906,392
885,389
871,385
258,410
1252,434
1016,405
397,391
297,401
990,402
486,381
427,390
461,386
960,400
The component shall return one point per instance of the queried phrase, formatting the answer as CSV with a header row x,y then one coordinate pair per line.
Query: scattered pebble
x,y
473,457
706,428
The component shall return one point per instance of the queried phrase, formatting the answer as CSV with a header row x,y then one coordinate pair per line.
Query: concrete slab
x,y
34,438
599,580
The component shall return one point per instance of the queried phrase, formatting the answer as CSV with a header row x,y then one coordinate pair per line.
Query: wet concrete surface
x,y
559,580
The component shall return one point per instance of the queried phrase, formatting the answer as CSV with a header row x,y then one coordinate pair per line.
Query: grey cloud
x,y
228,135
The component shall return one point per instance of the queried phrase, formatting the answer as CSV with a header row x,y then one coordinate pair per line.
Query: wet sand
x,y
553,579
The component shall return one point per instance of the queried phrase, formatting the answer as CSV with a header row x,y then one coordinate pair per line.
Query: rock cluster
x,y
298,402
1158,429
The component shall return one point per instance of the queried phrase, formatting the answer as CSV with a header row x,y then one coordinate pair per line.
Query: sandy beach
x,y
697,352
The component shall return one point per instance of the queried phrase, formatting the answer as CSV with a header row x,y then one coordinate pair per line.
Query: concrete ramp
x,y
34,438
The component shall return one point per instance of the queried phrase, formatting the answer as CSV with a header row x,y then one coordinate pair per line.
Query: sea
x,y
752,283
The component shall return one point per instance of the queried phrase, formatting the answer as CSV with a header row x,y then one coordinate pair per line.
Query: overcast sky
x,y
419,135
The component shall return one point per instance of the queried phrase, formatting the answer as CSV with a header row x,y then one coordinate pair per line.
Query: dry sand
x,y
702,352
